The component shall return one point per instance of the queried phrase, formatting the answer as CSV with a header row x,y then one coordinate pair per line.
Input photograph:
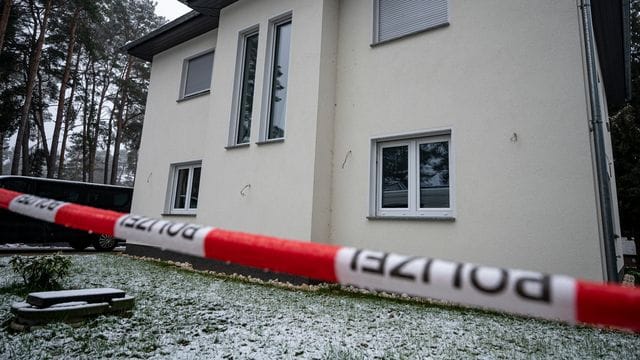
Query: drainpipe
x,y
596,122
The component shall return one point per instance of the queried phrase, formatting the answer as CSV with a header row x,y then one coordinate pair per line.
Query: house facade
x,y
454,129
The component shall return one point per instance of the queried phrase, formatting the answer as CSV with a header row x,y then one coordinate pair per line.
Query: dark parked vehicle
x,y
16,228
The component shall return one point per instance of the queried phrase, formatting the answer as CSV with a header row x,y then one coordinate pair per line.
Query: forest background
x,y
71,102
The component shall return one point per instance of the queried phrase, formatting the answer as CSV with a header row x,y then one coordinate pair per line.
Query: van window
x,y
15,185
100,198
120,200
58,191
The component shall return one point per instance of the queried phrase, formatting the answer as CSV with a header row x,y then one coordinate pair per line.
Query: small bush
x,y
633,272
41,272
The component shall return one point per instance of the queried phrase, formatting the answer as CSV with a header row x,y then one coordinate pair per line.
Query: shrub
x,y
41,272
633,272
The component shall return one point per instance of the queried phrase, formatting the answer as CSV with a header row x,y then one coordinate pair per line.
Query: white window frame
x,y
170,209
375,36
237,88
185,72
265,117
412,141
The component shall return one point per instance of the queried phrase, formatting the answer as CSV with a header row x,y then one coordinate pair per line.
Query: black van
x,y
16,228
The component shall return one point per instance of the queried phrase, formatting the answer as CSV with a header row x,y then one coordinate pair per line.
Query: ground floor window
x,y
184,186
412,176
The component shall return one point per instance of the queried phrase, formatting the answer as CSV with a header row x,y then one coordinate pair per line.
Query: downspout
x,y
596,122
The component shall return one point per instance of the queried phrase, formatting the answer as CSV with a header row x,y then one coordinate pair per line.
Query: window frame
x,y
185,72
239,86
174,170
412,140
265,118
375,35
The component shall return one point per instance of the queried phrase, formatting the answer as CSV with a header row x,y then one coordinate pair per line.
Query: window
x,y
196,75
397,18
184,188
245,84
412,176
277,79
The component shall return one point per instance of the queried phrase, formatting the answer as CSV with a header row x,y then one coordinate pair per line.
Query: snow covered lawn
x,y
188,315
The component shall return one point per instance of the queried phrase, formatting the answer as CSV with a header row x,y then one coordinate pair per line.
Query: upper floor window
x,y
244,88
196,75
397,18
279,48
412,176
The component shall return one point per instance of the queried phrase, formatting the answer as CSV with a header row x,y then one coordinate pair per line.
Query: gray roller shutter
x,y
396,18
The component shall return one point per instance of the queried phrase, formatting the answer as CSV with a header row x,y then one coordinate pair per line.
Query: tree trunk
x,y
61,96
96,130
70,117
108,145
4,21
22,146
85,114
120,123
38,116
91,142
68,126
1,152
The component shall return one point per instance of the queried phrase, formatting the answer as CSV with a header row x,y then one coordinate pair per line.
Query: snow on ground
x,y
30,246
59,246
187,315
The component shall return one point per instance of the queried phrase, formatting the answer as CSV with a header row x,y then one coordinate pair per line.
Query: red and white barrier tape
x,y
520,292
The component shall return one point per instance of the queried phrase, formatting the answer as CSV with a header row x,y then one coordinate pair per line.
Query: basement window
x,y
184,187
412,176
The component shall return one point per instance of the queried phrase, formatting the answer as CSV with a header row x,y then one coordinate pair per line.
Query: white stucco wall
x,y
173,131
500,68
281,175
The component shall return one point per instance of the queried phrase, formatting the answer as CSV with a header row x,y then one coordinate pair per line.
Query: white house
x,y
474,131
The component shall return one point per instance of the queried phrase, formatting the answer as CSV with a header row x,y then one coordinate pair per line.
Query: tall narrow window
x,y
433,168
279,77
395,177
245,86
196,75
184,188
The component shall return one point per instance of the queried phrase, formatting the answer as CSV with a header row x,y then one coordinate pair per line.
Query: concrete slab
x,y
74,312
48,298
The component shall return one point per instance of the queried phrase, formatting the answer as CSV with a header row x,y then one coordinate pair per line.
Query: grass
x,y
189,315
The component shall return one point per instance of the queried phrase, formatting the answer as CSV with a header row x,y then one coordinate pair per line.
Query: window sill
x,y
174,214
193,96
270,141
413,218
237,146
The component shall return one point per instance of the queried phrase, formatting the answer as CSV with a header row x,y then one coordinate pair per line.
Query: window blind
x,y
397,18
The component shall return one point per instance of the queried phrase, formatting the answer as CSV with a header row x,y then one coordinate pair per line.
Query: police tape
x,y
528,293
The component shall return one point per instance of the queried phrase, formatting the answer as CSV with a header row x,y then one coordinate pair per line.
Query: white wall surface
x,y
501,68
281,175
173,131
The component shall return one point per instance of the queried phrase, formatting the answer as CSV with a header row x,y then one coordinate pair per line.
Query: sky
x,y
171,9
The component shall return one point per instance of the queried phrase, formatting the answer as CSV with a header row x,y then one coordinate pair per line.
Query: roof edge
x,y
161,30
